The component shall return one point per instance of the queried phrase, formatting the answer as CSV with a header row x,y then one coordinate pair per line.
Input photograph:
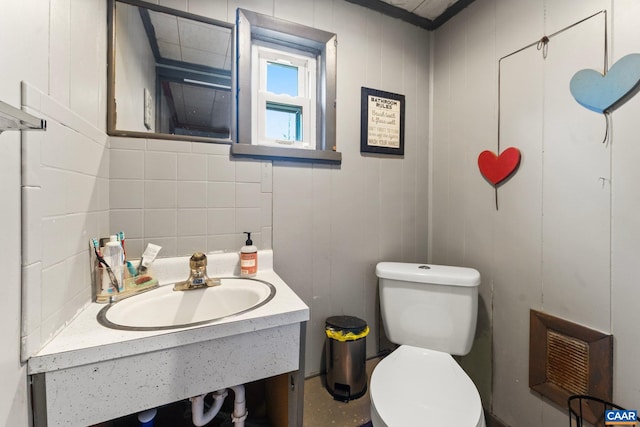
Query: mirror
x,y
169,74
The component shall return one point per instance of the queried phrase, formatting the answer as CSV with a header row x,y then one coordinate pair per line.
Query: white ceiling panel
x,y
408,5
170,50
431,9
199,35
165,26
428,14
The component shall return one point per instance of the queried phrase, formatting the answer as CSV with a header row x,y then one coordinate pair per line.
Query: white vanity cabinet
x,y
90,374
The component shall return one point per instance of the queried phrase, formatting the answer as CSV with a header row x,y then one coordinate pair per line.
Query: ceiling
x,y
193,66
186,40
427,14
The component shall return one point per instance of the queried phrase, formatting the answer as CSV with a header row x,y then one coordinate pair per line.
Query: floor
x,y
321,410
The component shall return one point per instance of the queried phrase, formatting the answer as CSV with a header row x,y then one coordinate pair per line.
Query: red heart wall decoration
x,y
498,168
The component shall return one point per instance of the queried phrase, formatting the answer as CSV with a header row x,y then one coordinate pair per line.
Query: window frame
x,y
306,98
254,27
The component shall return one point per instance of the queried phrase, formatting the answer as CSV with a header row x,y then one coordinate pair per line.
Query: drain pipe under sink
x,y
200,418
239,406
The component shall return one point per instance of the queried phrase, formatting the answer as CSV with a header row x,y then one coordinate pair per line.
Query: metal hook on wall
x,y
543,45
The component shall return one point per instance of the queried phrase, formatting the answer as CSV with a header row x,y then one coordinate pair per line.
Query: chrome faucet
x,y
198,276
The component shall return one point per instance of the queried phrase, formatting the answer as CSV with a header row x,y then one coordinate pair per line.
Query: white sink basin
x,y
164,308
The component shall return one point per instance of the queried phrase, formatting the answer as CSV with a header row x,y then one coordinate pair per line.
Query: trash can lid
x,y
346,324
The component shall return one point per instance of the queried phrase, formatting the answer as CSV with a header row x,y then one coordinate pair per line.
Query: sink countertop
x,y
84,340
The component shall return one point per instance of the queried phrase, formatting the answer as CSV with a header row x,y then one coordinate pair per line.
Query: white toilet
x,y
430,310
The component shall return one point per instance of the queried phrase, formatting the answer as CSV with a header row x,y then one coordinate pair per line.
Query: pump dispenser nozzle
x,y
248,242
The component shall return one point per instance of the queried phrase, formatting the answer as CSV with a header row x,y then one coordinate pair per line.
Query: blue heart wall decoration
x,y
601,93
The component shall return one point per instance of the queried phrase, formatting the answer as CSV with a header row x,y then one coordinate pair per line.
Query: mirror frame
x,y
112,129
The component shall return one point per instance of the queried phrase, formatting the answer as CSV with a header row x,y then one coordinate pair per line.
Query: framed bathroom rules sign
x,y
382,122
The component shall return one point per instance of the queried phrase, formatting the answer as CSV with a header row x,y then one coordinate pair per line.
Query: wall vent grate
x,y
567,362
568,359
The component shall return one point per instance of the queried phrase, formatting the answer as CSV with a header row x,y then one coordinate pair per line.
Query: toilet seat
x,y
416,386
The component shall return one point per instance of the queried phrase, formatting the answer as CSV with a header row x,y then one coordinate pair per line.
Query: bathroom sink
x,y
164,308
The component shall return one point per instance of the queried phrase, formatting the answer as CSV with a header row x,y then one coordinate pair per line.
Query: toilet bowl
x,y
415,386
430,311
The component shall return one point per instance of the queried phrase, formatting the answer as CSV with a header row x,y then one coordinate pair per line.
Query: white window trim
x,y
261,55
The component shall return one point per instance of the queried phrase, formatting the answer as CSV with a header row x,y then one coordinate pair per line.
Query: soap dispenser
x,y
248,258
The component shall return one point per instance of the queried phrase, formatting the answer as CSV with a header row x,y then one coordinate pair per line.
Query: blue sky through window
x,y
282,79
281,126
283,123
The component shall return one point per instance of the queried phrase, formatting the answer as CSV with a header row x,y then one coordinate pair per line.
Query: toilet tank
x,y
429,306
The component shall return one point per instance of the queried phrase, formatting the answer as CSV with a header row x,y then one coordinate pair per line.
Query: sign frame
x,y
382,122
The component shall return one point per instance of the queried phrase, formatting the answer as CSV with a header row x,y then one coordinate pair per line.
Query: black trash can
x,y
346,347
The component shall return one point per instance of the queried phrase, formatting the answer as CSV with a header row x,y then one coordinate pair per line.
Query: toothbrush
x,y
130,267
121,238
112,277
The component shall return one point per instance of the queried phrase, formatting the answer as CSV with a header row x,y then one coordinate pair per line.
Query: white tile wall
x,y
131,220
248,195
126,194
160,223
159,165
130,164
64,204
32,214
221,194
192,167
192,222
31,304
248,219
220,169
221,221
191,195
248,171
191,244
160,194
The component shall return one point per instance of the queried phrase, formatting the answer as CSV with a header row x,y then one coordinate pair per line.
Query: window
x,y
284,104
286,90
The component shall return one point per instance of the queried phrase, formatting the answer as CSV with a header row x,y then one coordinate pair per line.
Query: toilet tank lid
x,y
428,273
